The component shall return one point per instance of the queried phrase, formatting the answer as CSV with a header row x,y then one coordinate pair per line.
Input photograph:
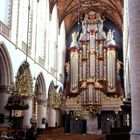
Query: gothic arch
x,y
51,88
54,106
6,72
40,88
54,97
6,77
39,98
60,90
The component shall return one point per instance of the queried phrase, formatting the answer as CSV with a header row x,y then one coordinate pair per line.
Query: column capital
x,y
42,101
5,88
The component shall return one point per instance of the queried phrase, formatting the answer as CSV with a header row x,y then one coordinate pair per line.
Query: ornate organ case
x,y
93,63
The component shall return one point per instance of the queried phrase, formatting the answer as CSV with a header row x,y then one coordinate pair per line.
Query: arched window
x,y
48,33
19,23
25,11
41,29
25,25
53,54
61,51
5,17
4,11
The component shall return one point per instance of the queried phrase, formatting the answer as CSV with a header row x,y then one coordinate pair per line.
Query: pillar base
x,y
134,137
4,125
135,134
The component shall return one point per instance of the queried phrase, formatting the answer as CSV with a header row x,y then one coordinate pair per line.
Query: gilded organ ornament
x,y
93,63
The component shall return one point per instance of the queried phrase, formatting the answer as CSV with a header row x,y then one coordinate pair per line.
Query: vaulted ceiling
x,y
71,10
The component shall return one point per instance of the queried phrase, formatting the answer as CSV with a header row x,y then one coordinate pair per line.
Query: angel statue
x,y
85,25
74,39
67,65
110,35
110,38
119,63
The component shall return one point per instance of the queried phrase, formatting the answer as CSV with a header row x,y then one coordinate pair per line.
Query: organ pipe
x,y
93,61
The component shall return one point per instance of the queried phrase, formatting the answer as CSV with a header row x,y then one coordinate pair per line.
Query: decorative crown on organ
x,y
93,62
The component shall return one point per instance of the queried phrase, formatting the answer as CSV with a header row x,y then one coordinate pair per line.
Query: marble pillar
x,y
58,117
28,113
134,34
51,117
3,101
41,113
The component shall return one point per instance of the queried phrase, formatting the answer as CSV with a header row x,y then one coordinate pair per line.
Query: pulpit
x,y
16,105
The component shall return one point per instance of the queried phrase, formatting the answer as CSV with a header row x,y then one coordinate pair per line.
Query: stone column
x,y
67,122
28,113
58,117
51,117
134,32
3,101
41,113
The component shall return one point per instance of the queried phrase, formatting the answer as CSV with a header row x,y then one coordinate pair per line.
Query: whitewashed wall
x,y
55,51
18,56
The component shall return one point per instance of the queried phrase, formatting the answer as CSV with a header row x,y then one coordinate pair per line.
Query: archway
x,y
6,78
39,102
23,86
54,106
6,73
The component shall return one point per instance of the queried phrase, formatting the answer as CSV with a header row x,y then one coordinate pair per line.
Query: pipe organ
x,y
92,62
